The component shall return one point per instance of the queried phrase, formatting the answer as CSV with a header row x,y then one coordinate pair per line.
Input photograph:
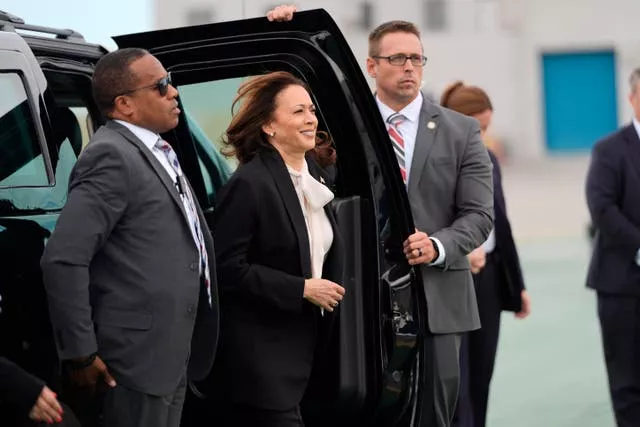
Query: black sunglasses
x,y
161,85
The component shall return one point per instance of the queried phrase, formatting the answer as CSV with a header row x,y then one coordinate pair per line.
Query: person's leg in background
x,y
620,325
483,343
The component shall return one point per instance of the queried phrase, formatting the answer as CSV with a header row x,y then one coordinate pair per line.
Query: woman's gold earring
x,y
272,134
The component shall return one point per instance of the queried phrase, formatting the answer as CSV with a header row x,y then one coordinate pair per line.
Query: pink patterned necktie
x,y
192,213
394,121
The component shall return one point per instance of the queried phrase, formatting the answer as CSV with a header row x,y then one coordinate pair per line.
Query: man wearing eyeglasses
x,y
129,269
447,173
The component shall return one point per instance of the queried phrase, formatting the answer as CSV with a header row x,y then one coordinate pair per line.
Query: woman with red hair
x,y
496,274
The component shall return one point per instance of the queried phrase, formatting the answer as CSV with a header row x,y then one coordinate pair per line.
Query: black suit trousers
x,y
620,326
238,415
478,350
124,407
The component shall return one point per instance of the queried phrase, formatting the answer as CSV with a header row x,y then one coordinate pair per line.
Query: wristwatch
x,y
82,362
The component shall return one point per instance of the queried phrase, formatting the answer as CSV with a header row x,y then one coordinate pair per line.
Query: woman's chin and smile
x,y
307,138
301,141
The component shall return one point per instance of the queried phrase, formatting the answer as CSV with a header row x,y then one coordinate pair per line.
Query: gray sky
x,y
96,20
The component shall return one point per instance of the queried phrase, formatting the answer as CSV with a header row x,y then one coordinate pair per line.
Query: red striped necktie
x,y
397,141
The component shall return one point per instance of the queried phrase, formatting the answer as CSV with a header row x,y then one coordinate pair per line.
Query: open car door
x,y
29,200
372,374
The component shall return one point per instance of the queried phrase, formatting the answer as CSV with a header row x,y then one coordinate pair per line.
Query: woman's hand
x,y
477,259
323,293
47,407
526,305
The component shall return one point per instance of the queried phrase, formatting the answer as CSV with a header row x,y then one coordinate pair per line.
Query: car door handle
x,y
403,320
402,301
397,283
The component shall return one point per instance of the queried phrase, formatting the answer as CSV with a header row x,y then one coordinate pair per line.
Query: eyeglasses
x,y
401,59
161,85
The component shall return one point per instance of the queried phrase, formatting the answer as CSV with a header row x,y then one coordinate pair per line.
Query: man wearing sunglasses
x,y
129,270
448,176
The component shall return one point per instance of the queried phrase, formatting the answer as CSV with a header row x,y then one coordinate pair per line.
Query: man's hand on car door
x,y
418,249
281,13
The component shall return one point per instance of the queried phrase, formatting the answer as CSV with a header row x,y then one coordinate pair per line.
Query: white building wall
x,y
571,25
495,44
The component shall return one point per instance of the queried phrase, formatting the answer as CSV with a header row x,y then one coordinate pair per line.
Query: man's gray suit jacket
x,y
122,273
451,195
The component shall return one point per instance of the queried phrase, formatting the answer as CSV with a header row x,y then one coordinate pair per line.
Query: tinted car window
x,y
24,185
21,162
208,107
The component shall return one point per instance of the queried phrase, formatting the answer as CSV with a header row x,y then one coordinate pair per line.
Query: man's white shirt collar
x,y
411,111
147,137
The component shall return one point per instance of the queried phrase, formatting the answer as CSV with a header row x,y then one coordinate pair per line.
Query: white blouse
x,y
313,197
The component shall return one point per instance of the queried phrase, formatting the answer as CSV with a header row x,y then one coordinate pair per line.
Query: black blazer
x,y
269,332
510,273
19,390
614,203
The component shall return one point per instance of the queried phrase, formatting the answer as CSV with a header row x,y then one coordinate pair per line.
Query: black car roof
x,y
65,43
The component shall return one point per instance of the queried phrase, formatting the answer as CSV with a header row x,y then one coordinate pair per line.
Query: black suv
x,y
47,115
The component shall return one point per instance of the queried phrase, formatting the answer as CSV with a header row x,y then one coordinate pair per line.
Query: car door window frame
x,y
37,130
15,56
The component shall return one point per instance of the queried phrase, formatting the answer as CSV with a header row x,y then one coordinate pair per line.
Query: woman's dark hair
x,y
253,107
467,100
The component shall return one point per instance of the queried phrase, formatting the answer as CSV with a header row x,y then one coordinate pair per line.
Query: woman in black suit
x,y
496,274
279,256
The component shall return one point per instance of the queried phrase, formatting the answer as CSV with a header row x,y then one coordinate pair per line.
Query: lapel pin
x,y
322,180
431,125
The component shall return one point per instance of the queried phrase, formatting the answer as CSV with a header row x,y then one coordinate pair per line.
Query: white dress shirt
x,y
313,196
409,131
490,244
